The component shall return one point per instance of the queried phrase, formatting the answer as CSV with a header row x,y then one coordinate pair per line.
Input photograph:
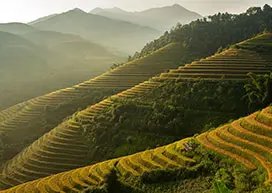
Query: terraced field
x,y
247,140
232,64
94,176
64,148
61,149
31,119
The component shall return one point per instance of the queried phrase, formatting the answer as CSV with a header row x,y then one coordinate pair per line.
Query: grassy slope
x,y
98,120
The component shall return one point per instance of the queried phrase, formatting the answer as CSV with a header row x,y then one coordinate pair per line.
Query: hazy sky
x,y
28,10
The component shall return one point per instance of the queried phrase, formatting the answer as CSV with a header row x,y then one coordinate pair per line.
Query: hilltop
x,y
163,18
124,36
132,120
203,38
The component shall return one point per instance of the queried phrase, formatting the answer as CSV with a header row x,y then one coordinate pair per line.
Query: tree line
x,y
205,36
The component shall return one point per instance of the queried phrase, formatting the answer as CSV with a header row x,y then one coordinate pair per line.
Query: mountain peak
x,y
176,5
96,10
77,10
112,10
116,9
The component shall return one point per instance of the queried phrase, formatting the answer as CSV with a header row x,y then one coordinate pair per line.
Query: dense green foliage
x,y
205,36
259,91
170,112
220,187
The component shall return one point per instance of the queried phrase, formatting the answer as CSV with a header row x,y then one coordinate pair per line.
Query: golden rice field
x,y
90,177
64,148
247,140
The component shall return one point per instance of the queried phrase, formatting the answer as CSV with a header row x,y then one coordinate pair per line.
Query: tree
x,y
259,90
254,11
205,36
267,8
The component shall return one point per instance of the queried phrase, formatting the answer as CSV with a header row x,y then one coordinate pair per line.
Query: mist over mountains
x,y
162,18
61,49
34,62
124,36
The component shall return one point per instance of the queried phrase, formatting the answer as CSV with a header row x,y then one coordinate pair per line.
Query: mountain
x,y
181,102
150,114
44,56
42,19
99,10
71,46
16,28
162,18
125,36
132,120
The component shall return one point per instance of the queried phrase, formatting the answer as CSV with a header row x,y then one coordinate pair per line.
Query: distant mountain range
x,y
159,18
125,36
62,49
126,31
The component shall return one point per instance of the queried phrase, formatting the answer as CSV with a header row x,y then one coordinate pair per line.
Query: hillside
x,y
243,154
124,36
43,56
72,46
163,18
46,111
132,120
205,36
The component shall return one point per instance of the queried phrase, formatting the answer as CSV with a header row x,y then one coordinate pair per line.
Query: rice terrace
x,y
136,96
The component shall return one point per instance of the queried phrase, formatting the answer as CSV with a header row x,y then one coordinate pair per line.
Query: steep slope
x,y
42,19
43,56
46,111
92,177
233,64
127,37
162,18
246,141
